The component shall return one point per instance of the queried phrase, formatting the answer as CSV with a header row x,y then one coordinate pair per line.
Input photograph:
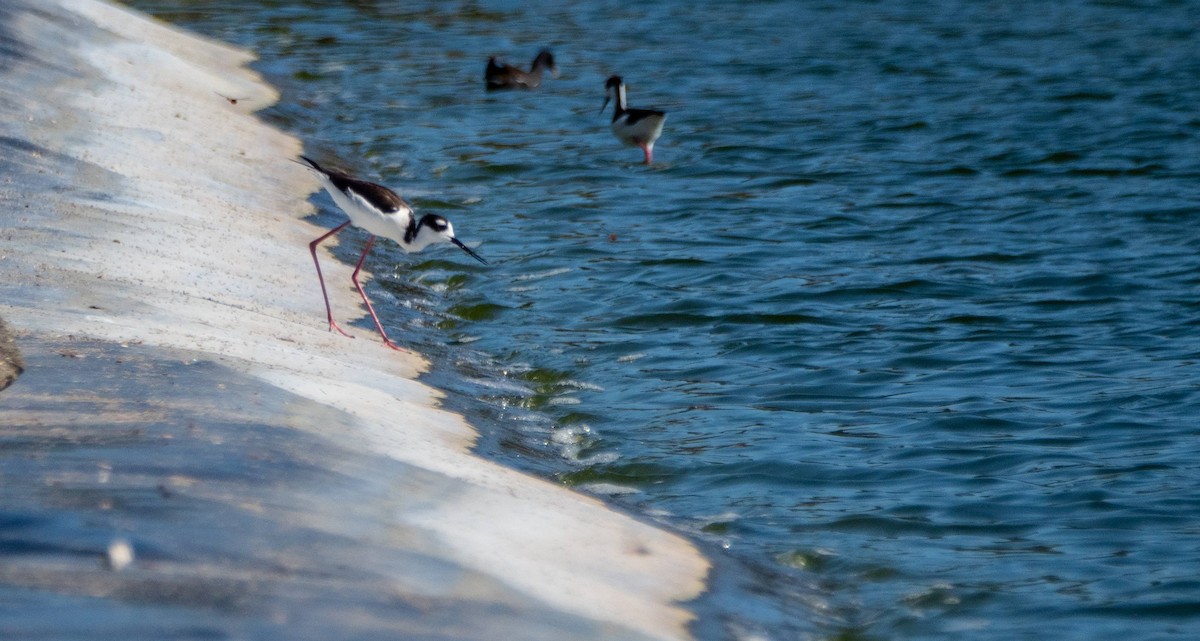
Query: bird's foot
x,y
334,326
389,343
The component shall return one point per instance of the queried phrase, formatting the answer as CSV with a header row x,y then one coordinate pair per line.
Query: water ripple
x,y
901,320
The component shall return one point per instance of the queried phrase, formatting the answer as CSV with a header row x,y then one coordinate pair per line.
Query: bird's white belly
x,y
643,132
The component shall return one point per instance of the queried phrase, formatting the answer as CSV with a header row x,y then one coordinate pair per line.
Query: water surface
x,y
900,326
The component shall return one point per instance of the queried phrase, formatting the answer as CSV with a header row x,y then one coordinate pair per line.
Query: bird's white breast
x,y
644,131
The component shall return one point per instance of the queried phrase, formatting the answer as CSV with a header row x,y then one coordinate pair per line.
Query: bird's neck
x,y
620,107
411,230
421,238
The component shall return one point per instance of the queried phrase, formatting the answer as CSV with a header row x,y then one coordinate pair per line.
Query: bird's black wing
x,y
634,115
377,196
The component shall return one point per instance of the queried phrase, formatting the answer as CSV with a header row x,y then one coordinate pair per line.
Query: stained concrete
x,y
11,363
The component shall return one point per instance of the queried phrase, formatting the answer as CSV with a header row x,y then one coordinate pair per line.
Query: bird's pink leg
x,y
312,248
646,149
354,277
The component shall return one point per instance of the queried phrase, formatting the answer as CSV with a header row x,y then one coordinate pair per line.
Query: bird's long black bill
x,y
606,99
468,250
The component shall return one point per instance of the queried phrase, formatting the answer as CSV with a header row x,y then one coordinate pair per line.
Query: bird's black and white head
x,y
433,229
614,89
544,62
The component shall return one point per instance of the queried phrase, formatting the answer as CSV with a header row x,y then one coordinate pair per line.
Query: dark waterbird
x,y
501,76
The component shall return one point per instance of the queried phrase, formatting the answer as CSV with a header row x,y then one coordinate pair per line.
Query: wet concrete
x,y
240,527
183,400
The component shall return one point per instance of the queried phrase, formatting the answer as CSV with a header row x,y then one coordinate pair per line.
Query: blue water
x,y
900,327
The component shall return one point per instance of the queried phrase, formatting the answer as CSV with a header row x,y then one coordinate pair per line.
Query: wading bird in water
x,y
634,127
381,212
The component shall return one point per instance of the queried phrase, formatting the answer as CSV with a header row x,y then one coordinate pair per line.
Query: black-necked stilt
x,y
382,212
500,76
634,127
